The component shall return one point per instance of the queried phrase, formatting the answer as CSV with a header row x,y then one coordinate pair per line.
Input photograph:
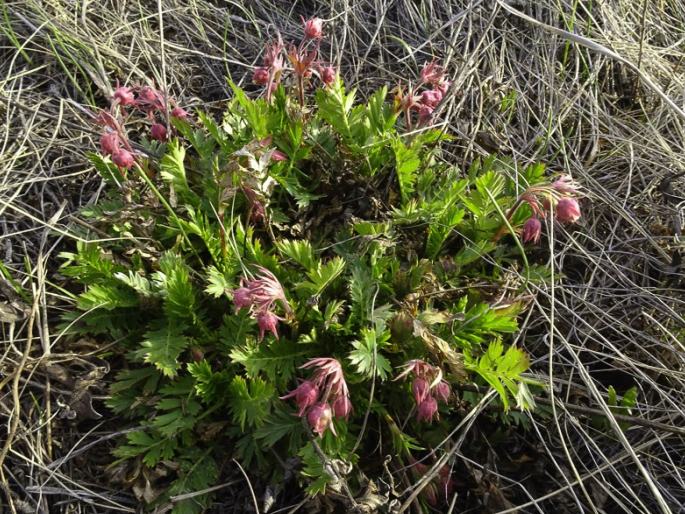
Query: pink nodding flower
x,y
342,407
532,230
109,143
149,98
273,58
420,387
431,98
565,185
425,114
427,409
568,210
124,96
123,158
442,391
265,290
320,417
158,132
305,396
432,73
242,299
260,76
180,113
267,321
327,74
313,28
278,156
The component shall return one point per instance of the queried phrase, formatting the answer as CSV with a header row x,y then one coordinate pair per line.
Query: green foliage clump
x,y
386,254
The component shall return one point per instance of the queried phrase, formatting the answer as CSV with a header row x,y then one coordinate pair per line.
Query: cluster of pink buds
x,y
322,397
303,59
260,295
558,196
428,388
425,97
114,141
442,486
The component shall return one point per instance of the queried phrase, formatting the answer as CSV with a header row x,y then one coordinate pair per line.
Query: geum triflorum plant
x,y
304,279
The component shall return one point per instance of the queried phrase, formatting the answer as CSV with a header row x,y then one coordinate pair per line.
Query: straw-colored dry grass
x,y
614,318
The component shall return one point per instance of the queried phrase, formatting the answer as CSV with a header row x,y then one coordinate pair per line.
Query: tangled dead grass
x,y
550,81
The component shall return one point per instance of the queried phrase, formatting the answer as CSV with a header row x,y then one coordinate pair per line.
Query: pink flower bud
x,y
531,230
568,210
431,98
432,73
313,28
342,406
123,158
420,389
565,185
278,156
320,418
425,114
242,298
305,396
267,322
442,391
109,143
124,96
328,75
158,132
427,409
260,76
180,113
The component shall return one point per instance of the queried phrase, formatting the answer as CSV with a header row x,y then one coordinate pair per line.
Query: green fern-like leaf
x,y
162,347
250,401
407,163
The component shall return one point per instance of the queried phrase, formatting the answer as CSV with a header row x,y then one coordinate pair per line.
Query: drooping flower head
x,y
327,75
109,143
150,99
267,321
306,395
432,73
320,417
158,132
428,388
442,391
568,210
565,185
242,299
532,230
266,290
124,96
123,158
260,76
313,28
180,113
427,409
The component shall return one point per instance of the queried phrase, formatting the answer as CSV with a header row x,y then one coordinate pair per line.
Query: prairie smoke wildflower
x,y
329,383
180,113
431,98
150,99
568,210
428,387
327,74
565,185
109,143
278,156
301,61
124,96
425,114
342,407
427,409
123,158
266,290
267,321
442,391
242,298
273,58
532,230
313,28
320,417
420,388
306,395
158,132
432,73
260,76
